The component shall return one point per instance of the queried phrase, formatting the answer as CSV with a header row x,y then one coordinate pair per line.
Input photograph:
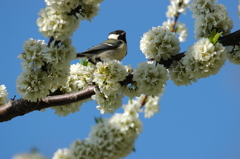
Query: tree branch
x,y
230,39
21,106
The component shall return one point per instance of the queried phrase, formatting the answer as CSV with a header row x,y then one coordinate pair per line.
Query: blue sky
x,y
200,121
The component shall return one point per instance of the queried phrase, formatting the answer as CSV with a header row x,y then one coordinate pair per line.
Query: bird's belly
x,y
112,55
117,54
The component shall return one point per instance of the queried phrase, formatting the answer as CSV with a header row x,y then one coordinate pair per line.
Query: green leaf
x,y
134,150
83,62
98,120
130,100
216,37
213,38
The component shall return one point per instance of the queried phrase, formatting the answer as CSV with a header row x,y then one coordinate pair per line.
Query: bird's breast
x,y
117,54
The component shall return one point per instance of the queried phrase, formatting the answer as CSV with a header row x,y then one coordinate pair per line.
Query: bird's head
x,y
118,35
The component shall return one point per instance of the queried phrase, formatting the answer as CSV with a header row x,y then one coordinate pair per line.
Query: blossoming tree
x,y
48,80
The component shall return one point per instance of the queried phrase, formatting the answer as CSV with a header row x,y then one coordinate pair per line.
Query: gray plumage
x,y
115,48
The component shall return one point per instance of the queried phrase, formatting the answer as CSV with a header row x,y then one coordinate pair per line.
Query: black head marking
x,y
121,33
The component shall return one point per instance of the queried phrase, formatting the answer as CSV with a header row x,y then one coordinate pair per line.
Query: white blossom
x,y
29,156
176,7
62,154
62,5
199,7
159,43
60,56
233,54
3,95
133,108
90,10
57,24
32,55
151,109
109,139
181,29
204,58
209,16
172,10
131,90
57,76
107,103
33,85
84,149
151,106
108,74
127,123
121,129
179,75
65,110
52,64
80,77
58,59
150,77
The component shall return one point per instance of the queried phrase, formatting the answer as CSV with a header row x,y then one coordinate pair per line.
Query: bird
x,y
115,48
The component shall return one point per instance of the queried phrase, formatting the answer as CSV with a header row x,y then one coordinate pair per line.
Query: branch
x,y
230,39
21,106
76,10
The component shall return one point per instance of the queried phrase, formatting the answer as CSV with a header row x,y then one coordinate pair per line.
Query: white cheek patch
x,y
113,36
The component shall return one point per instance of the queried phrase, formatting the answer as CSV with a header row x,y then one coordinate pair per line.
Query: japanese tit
x,y
115,48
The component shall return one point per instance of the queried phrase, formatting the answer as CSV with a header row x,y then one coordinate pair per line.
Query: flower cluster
x,y
181,29
150,104
54,23
62,154
105,138
159,44
201,60
179,75
33,54
33,85
107,76
210,16
130,90
59,20
45,68
233,54
107,103
204,58
34,155
80,77
150,77
199,7
90,10
3,94
176,7
58,59
62,5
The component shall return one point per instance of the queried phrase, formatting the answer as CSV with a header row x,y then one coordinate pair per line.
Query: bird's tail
x,y
80,55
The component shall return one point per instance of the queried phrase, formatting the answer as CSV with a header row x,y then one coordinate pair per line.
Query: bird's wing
x,y
111,44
